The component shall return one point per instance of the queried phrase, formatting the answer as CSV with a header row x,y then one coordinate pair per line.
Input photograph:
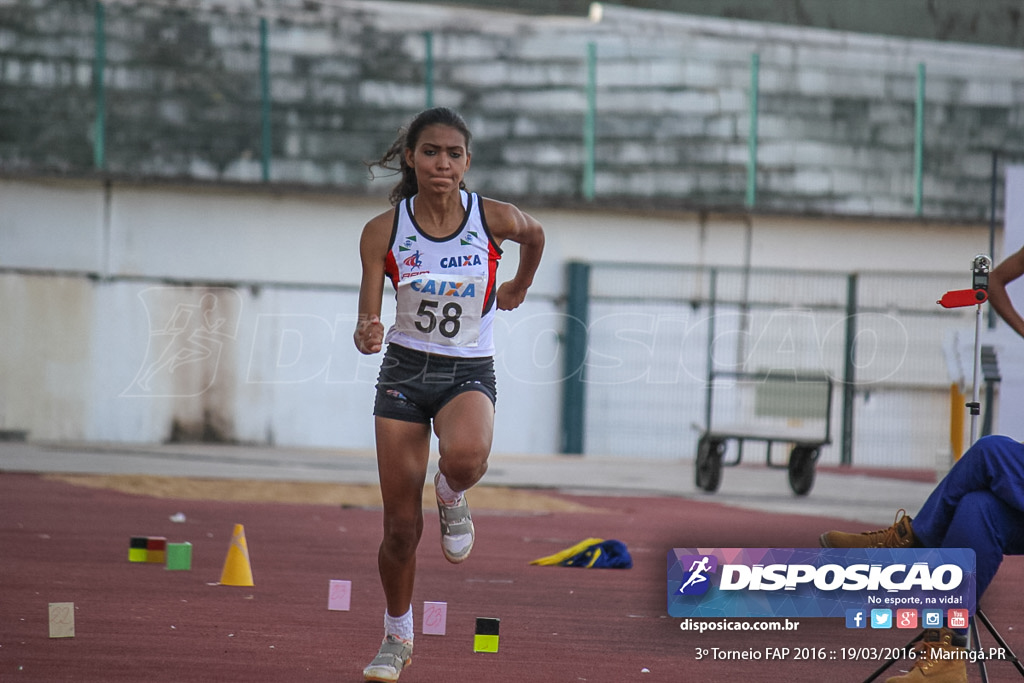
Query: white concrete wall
x,y
231,310
267,355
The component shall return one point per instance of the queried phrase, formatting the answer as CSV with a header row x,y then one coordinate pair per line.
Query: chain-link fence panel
x,y
673,351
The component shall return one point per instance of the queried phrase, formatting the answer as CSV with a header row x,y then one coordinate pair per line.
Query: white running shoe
x,y
457,532
394,655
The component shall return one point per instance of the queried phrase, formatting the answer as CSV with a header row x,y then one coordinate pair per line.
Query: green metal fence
x,y
147,89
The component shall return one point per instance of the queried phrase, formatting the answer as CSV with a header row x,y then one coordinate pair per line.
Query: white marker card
x,y
340,597
435,618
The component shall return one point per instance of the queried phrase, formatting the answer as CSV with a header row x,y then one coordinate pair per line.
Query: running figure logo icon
x,y
414,261
696,581
189,331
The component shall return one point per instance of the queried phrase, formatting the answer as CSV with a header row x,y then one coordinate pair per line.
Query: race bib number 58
x,y
441,309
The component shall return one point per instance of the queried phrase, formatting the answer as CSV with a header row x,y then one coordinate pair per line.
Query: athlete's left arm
x,y
508,222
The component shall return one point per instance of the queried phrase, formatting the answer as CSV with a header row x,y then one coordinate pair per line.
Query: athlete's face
x,y
440,159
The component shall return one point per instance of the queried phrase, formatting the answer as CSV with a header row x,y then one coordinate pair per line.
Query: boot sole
x,y
386,678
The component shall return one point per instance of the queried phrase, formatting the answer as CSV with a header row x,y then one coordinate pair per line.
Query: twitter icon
x,y
881,618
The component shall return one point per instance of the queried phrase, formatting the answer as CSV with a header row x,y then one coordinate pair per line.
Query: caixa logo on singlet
x,y
461,261
695,579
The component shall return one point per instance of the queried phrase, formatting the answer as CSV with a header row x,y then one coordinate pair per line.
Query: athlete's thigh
x,y
465,426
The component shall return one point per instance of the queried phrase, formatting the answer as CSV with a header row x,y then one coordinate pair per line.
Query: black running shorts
x,y
413,385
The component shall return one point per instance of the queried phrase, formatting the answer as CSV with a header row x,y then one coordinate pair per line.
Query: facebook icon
x,y
856,618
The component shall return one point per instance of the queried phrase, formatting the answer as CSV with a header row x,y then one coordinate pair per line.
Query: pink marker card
x,y
435,617
340,598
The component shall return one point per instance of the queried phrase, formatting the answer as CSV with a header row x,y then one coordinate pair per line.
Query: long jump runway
x,y
62,542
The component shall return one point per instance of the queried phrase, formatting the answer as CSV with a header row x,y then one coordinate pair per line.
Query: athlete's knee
x,y
463,469
402,536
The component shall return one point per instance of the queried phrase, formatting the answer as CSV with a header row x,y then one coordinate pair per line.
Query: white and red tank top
x,y
444,287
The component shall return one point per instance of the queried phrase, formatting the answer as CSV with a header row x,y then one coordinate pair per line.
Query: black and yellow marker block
x,y
486,638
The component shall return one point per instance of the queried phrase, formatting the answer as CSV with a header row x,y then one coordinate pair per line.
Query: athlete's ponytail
x,y
407,139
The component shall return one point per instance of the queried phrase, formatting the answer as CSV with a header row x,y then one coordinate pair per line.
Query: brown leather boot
x,y
899,535
941,658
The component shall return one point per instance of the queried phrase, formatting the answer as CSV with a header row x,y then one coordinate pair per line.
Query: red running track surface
x,y
135,622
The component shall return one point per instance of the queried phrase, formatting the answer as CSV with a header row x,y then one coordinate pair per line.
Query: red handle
x,y
963,297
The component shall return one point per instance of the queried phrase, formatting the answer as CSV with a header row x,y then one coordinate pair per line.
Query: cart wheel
x,y
801,469
708,467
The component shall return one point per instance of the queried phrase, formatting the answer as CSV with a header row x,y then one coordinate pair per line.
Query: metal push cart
x,y
772,407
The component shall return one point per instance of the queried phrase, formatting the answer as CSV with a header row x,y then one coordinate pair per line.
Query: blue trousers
x,y
979,504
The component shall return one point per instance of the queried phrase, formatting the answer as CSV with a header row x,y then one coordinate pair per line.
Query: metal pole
x,y
976,389
590,123
849,372
265,141
992,225
99,159
428,76
990,388
919,142
710,370
574,390
755,69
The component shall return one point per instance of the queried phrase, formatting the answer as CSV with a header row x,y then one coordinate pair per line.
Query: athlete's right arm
x,y
1006,272
373,249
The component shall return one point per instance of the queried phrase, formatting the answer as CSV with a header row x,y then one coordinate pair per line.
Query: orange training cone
x,y
237,571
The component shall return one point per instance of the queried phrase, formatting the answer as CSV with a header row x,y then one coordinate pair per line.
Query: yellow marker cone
x,y
237,571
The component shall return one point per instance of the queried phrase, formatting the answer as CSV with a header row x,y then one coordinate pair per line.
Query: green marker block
x,y
179,556
486,638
